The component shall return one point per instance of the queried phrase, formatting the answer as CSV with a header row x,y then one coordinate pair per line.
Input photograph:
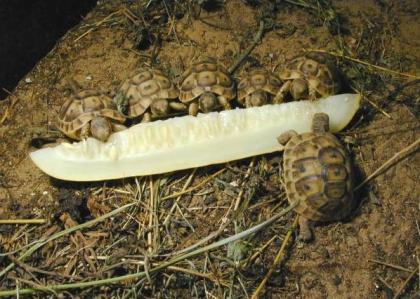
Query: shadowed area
x,y
29,30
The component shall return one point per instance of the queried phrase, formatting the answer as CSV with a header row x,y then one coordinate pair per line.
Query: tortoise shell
x,y
258,79
317,171
206,76
321,75
81,108
144,87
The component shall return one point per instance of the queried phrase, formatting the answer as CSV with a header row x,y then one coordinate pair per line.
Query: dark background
x,y
29,30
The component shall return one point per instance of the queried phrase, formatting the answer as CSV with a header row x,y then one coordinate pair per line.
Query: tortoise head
x,y
207,102
160,107
258,98
100,128
299,89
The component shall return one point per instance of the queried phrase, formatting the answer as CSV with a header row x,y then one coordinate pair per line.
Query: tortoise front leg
x,y
279,98
116,127
224,102
178,106
284,138
147,117
305,232
85,131
193,108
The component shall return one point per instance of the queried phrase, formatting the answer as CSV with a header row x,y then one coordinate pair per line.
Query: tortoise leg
x,y
312,93
159,108
224,102
147,117
122,102
193,109
279,98
284,138
305,232
84,131
299,89
116,127
248,101
178,106
320,123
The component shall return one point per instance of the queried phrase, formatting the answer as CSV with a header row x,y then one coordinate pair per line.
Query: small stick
x,y
405,152
38,244
23,221
187,183
203,182
248,50
381,68
163,265
277,260
404,284
391,265
97,24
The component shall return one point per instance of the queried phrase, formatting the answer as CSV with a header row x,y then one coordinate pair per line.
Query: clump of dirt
x,y
374,254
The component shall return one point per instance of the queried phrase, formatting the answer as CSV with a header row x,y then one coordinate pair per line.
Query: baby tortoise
x,y
318,174
149,94
258,87
89,113
206,86
310,77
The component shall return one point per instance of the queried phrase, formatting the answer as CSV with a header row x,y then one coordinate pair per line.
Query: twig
x,y
277,260
164,265
97,24
381,68
248,50
404,284
23,221
395,159
391,265
172,209
42,242
203,182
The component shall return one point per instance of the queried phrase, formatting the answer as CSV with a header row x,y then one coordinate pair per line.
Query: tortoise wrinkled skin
x,y
318,174
86,107
310,77
206,86
258,87
150,93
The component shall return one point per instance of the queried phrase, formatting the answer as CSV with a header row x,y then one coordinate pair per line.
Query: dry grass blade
x,y
277,260
405,283
381,68
97,24
412,148
42,242
391,265
164,265
23,221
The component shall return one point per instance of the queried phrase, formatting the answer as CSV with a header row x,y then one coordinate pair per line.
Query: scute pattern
x,y
206,76
84,106
258,79
321,75
144,87
317,171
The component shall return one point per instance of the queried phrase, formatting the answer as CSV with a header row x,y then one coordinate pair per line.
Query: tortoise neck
x,y
320,123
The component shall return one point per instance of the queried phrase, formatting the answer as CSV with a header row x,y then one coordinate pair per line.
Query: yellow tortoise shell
x,y
318,172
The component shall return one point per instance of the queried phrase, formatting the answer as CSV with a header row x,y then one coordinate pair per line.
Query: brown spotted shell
x,y
144,87
317,171
206,76
258,79
81,108
321,75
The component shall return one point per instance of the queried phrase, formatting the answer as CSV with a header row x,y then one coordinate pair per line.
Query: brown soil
x,y
342,261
